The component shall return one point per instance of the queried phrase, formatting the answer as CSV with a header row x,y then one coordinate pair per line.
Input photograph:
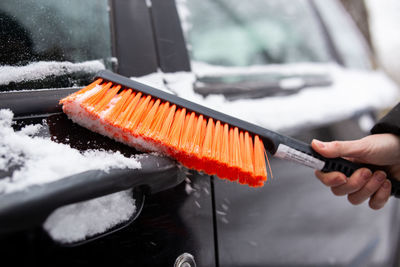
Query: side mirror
x,y
24,209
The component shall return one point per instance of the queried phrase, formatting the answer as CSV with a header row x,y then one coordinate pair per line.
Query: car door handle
x,y
24,209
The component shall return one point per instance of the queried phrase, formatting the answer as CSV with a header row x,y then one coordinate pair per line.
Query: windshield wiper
x,y
245,87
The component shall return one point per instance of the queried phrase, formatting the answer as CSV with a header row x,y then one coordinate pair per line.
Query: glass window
x,y
47,43
348,41
243,33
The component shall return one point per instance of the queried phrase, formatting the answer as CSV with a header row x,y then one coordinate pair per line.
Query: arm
x,y
382,148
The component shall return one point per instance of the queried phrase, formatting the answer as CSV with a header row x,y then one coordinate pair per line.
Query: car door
x,y
59,46
242,55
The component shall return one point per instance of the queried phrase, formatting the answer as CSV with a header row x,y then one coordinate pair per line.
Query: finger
x,y
356,181
370,188
379,199
335,149
331,178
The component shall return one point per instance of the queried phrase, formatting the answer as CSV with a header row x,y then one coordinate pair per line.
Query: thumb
x,y
353,149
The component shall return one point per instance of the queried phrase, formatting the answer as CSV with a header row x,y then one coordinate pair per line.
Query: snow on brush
x,y
352,91
38,160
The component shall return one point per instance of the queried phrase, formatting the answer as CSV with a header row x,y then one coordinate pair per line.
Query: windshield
x,y
237,33
349,43
47,38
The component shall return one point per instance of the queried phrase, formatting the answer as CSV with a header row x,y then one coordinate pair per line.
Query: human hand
x,y
379,149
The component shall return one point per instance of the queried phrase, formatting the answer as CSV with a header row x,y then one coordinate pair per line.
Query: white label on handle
x,y
286,152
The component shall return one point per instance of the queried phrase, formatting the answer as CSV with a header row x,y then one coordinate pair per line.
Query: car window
x,y
348,41
46,43
239,33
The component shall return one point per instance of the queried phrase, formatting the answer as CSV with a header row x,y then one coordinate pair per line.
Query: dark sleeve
x,y
390,123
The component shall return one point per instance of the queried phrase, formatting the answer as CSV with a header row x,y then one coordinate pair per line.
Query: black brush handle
x,y
294,150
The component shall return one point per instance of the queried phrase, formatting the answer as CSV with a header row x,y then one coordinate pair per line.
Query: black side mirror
x,y
28,208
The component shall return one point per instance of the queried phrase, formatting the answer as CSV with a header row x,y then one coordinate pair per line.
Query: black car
x,y
296,67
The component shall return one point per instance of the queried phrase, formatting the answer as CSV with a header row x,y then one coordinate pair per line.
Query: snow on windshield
x,y
352,91
39,160
42,69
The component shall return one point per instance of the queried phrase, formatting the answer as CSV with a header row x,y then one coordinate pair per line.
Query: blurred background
x,y
379,21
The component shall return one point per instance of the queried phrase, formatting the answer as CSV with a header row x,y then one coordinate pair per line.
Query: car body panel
x,y
134,45
292,221
175,221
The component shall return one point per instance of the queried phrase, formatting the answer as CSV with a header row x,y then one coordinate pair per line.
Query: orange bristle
x,y
91,101
137,115
112,116
147,121
166,125
216,146
153,124
80,92
123,119
222,172
159,120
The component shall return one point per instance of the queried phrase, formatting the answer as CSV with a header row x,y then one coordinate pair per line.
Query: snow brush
x,y
196,136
